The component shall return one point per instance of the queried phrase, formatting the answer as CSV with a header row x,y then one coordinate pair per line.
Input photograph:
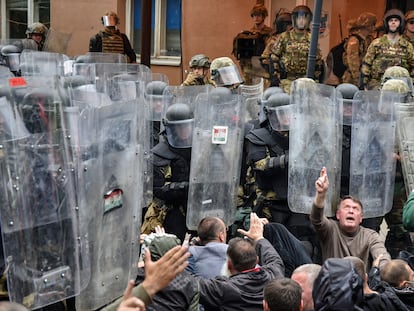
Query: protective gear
x,y
278,112
409,15
304,11
270,91
282,22
178,122
259,10
199,60
396,85
347,90
397,72
394,13
106,19
224,72
155,88
278,162
37,28
366,20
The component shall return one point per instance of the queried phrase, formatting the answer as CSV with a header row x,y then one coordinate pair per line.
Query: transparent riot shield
x,y
372,164
101,58
108,152
37,198
215,158
41,63
405,135
254,91
315,140
56,41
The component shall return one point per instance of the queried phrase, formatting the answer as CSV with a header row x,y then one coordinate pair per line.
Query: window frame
x,y
159,33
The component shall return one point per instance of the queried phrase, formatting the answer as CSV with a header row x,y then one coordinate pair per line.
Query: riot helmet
x,y
397,72
224,72
303,15
199,60
283,22
11,55
347,90
154,95
110,18
394,13
220,94
262,102
259,10
396,85
277,111
178,123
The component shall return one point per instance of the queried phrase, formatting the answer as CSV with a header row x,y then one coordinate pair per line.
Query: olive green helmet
x,y
366,20
199,60
36,28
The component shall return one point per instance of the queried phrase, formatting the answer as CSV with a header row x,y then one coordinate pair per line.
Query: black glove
x,y
176,186
279,162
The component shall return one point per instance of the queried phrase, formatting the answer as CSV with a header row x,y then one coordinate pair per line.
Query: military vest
x,y
112,43
295,52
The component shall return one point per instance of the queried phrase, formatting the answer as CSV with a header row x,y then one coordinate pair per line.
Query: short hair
x,y
242,254
359,265
283,295
11,306
311,269
350,197
209,228
394,272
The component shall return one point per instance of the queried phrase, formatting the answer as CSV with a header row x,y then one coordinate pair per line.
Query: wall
x,y
208,26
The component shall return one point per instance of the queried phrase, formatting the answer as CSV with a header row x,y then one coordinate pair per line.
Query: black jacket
x,y
243,291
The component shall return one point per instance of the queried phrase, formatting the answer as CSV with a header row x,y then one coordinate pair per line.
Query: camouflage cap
x,y
409,15
396,85
366,19
37,28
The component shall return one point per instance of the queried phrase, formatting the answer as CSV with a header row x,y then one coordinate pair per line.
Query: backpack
x,y
248,44
336,55
337,287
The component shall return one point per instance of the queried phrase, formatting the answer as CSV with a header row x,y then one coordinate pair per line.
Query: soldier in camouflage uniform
x,y
409,26
283,22
200,71
389,50
290,52
111,40
258,14
224,72
356,46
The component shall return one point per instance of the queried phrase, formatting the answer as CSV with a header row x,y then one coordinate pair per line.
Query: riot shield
x,y
108,153
254,91
37,198
100,58
56,41
405,135
41,63
215,158
372,164
315,140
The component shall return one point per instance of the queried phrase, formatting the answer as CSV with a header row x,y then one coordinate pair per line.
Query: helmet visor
x,y
180,133
279,118
227,76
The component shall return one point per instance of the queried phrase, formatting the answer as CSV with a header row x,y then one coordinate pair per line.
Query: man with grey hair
x,y
305,276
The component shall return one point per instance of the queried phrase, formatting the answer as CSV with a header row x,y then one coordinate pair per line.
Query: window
x,y
16,15
165,28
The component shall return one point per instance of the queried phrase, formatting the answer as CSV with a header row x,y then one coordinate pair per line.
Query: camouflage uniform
x,y
382,54
291,52
389,50
356,46
407,35
193,79
198,61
